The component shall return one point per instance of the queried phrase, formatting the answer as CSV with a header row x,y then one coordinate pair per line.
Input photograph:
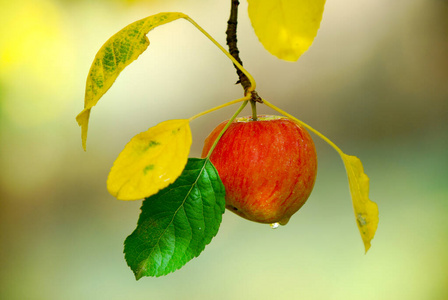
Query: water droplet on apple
x,y
275,225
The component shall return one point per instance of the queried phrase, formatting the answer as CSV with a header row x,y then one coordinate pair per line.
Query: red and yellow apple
x,y
268,167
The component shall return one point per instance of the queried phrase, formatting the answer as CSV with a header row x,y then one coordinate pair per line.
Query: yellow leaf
x,y
366,211
286,28
151,161
118,52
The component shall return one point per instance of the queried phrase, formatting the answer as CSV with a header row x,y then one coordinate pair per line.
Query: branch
x,y
232,40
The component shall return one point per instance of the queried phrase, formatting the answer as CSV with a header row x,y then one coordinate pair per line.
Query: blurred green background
x,y
375,82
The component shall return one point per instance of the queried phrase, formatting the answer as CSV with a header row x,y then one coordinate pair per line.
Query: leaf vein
x,y
177,210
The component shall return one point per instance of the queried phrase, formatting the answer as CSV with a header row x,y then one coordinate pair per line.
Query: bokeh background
x,y
375,82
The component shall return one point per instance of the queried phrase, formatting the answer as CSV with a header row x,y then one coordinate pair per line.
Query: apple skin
x,y
268,167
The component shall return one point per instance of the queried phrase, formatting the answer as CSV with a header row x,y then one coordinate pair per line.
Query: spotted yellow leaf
x,y
117,53
151,161
366,211
286,28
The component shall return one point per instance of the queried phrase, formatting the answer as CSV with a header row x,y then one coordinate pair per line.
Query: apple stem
x,y
225,128
253,104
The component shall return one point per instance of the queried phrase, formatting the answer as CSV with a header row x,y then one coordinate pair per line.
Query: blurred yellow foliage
x,y
35,54
29,35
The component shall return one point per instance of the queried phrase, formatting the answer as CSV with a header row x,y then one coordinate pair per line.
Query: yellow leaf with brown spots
x,y
151,161
117,53
366,211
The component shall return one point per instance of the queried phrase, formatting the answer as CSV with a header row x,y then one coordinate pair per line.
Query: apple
x,y
268,167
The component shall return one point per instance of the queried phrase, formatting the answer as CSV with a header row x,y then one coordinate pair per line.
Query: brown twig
x,y
232,40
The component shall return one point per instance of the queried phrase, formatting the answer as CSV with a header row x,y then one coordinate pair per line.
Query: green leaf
x,y
286,28
117,53
151,161
177,223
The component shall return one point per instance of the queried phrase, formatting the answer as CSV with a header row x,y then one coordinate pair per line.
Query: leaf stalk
x,y
304,125
219,107
225,128
252,86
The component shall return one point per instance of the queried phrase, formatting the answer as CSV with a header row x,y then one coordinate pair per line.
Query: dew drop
x,y
274,225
